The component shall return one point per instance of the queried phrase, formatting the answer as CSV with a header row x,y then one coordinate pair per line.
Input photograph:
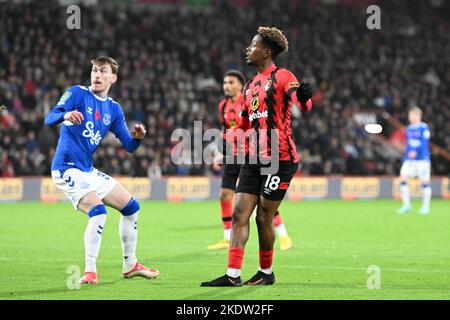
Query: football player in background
x,y
416,161
87,114
229,115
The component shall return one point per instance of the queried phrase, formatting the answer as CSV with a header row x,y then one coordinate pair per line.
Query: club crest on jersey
x,y
107,119
268,84
254,104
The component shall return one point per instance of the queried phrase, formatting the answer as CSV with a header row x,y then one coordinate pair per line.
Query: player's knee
x,y
426,184
97,210
226,195
238,217
88,202
263,219
131,208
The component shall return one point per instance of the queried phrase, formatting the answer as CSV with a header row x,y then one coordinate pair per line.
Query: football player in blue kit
x,y
86,115
416,161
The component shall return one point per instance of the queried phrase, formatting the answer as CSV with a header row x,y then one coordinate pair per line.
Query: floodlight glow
x,y
373,128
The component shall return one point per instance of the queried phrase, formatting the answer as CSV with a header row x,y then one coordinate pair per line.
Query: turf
x,y
334,244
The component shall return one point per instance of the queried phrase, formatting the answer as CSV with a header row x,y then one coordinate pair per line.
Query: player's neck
x,y
263,66
101,94
234,98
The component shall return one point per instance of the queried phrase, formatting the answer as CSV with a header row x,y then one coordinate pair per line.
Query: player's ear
x,y
114,78
267,53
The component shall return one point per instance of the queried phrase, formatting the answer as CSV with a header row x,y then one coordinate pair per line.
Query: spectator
x,y
172,65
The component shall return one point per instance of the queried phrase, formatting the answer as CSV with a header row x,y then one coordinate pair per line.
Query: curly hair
x,y
274,39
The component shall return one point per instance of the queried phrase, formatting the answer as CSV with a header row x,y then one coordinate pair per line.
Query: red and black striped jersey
x,y
229,112
230,115
267,105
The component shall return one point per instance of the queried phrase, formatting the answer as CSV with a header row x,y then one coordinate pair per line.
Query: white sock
x,y
128,237
234,273
281,230
404,190
266,271
426,197
227,234
93,240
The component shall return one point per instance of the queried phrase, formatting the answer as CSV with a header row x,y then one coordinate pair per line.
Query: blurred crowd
x,y
172,61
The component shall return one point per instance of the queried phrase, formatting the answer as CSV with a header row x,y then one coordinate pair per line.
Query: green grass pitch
x,y
334,244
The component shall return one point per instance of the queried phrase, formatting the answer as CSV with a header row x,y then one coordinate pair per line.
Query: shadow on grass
x,y
27,293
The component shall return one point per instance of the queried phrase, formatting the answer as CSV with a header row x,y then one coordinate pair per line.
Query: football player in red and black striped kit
x,y
268,99
229,116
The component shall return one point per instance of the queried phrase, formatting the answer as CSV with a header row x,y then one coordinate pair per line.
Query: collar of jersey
x,y
420,124
269,70
96,96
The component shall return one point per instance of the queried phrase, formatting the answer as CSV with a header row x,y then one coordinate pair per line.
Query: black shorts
x,y
230,176
272,187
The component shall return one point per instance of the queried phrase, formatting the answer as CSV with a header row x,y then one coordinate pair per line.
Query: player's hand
x,y
304,92
412,154
76,117
139,131
218,161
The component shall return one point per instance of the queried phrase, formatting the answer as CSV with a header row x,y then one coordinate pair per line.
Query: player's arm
x,y
65,109
129,141
300,93
220,107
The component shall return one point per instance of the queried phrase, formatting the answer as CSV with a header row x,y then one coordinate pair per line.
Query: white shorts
x,y
75,183
416,169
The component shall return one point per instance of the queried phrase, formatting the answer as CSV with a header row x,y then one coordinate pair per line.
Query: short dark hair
x,y
237,74
274,39
107,60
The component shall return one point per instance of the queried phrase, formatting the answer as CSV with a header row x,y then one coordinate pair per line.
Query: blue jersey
x,y
77,143
418,140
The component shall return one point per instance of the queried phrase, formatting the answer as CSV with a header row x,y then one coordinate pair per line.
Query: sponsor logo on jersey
x,y
89,110
294,85
254,104
414,143
268,84
107,119
94,138
258,115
